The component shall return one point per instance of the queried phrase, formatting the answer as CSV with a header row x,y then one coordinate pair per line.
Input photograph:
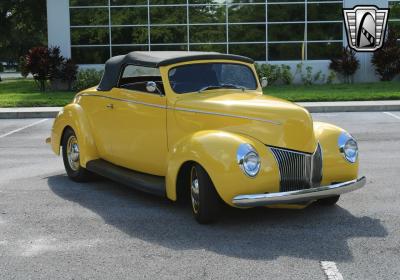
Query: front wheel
x,y
71,152
204,198
329,201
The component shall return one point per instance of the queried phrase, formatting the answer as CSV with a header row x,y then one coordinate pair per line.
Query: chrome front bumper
x,y
252,200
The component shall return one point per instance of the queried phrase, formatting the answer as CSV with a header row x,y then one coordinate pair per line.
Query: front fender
x,y
216,152
73,116
335,167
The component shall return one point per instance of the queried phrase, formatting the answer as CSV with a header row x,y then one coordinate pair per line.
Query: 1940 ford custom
x,y
196,126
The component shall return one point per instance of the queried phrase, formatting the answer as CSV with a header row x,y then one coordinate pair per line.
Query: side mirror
x,y
151,87
264,82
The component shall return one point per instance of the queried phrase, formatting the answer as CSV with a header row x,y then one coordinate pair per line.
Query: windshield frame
x,y
234,62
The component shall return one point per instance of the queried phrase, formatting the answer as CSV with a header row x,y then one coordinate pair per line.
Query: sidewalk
x,y
313,107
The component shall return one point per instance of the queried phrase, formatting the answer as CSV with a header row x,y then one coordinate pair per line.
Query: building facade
x,y
273,31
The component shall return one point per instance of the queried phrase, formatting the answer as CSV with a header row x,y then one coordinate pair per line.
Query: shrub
x,y
87,78
346,65
387,59
37,62
68,72
48,64
1,67
275,73
331,77
287,76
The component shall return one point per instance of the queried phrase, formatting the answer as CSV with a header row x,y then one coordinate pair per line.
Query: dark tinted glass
x,y
90,55
124,50
129,35
133,15
247,33
209,48
169,15
394,10
89,16
90,36
254,51
166,2
286,32
285,12
207,33
325,11
128,2
168,34
325,31
73,3
207,14
169,48
292,51
194,77
323,51
247,13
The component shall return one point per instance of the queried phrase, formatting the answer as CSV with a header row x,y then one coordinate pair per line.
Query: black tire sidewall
x,y
209,203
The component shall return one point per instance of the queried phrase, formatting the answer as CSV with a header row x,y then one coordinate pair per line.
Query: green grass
x,y
337,92
25,93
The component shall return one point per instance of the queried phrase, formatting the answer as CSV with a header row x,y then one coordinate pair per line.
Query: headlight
x,y
248,160
348,147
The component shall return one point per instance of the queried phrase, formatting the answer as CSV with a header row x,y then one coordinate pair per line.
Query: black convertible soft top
x,y
155,59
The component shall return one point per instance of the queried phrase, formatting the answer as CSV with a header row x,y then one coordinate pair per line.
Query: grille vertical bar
x,y
298,170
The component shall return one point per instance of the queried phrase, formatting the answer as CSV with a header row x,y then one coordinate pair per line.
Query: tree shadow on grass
x,y
318,233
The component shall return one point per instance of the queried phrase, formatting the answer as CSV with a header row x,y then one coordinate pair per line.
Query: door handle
x,y
110,106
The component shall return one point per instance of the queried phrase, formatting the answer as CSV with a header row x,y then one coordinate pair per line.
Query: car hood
x,y
272,121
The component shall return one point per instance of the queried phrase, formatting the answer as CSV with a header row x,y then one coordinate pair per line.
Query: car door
x,y
139,140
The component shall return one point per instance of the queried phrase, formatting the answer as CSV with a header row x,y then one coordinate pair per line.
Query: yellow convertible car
x,y
196,126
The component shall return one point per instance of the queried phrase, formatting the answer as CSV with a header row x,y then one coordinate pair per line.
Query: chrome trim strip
x,y
225,115
183,109
253,200
126,100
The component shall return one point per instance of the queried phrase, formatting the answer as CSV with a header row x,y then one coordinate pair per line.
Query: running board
x,y
144,182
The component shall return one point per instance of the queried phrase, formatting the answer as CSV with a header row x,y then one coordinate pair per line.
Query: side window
x,y
135,78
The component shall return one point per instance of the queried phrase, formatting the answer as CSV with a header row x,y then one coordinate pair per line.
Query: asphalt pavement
x,y
53,228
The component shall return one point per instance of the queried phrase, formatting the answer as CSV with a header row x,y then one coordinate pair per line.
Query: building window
x,y
394,16
265,30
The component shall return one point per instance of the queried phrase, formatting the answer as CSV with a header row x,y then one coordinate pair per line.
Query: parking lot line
x,y
392,115
22,128
331,271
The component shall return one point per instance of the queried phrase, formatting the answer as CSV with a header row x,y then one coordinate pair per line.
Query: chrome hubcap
x,y
73,153
194,190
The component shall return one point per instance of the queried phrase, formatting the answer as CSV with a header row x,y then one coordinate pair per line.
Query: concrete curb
x,y
312,107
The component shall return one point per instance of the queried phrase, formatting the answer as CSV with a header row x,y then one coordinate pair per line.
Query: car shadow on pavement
x,y
318,233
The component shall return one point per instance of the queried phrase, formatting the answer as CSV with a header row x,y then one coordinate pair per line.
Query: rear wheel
x,y
71,157
204,198
329,201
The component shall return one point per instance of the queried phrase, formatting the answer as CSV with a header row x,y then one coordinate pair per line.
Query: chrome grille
x,y
298,170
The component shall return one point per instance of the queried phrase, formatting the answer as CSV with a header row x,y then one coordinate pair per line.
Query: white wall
x,y
58,25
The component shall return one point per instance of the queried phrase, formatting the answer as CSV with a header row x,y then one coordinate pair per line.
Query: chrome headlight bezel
x,y
348,147
248,160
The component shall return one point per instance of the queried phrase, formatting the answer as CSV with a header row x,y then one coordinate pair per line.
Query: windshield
x,y
204,76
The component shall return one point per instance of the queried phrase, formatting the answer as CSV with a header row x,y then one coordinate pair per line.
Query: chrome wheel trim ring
x,y
194,190
73,153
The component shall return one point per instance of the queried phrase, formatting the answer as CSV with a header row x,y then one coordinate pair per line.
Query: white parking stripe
x,y
331,271
22,128
392,115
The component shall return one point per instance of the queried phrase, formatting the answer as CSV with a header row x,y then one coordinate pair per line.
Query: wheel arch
x,y
215,151
73,117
